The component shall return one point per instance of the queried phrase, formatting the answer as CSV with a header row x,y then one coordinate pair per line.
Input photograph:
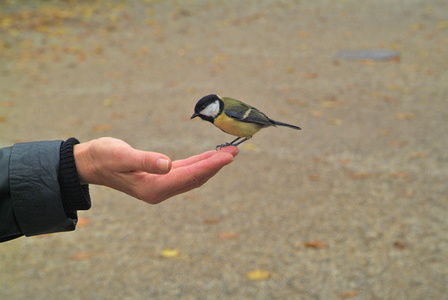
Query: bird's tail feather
x,y
286,125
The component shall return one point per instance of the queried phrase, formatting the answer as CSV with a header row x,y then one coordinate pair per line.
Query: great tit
x,y
234,117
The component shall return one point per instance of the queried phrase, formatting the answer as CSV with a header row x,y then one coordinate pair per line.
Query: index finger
x,y
194,159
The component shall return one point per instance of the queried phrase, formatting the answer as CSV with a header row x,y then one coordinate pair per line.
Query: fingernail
x,y
162,164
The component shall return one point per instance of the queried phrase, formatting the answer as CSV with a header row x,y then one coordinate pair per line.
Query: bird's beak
x,y
193,116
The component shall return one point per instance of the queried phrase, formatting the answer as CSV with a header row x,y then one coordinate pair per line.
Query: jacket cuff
x,y
75,196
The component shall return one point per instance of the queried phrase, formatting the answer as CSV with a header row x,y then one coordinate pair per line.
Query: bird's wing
x,y
246,113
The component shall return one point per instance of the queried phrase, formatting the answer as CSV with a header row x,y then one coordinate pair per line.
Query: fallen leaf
x,y
417,26
227,236
314,177
335,122
320,160
316,244
418,155
190,196
344,161
395,143
399,174
107,102
258,275
102,127
348,294
83,222
309,75
283,112
268,63
119,116
399,245
2,119
76,122
80,256
7,104
250,147
393,87
316,113
291,100
389,99
385,132
211,221
330,104
169,253
442,24
360,175
303,34
405,116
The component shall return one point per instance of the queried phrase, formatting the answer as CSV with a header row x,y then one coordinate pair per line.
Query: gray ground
x,y
364,182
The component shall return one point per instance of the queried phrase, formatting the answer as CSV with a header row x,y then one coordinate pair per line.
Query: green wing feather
x,y
238,110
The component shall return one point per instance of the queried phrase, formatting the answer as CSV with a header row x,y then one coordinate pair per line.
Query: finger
x,y
194,159
149,162
230,149
189,177
182,189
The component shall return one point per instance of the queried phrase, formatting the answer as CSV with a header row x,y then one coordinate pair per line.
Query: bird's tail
x,y
286,125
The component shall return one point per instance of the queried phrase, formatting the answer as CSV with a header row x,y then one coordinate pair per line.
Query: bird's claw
x,y
219,147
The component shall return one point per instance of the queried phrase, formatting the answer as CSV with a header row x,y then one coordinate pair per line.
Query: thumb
x,y
152,162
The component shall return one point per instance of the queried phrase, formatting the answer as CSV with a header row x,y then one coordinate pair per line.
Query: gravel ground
x,y
353,206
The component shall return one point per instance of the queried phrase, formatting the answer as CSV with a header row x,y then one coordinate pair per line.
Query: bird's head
x,y
208,108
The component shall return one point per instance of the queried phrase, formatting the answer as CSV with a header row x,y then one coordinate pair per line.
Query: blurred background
x,y
353,206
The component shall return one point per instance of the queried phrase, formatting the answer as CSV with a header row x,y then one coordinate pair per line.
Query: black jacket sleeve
x,y
37,196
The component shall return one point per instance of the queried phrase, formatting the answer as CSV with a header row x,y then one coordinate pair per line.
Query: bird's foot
x,y
219,147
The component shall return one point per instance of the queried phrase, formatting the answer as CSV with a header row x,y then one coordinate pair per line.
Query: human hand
x,y
148,176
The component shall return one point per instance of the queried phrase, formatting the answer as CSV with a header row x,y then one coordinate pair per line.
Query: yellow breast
x,y
235,127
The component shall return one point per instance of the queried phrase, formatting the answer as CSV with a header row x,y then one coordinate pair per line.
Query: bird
x,y
234,117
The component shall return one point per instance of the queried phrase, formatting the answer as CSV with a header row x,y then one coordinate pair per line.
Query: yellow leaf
x,y
249,147
443,24
418,155
107,102
169,253
258,275
5,22
335,121
303,34
87,12
330,104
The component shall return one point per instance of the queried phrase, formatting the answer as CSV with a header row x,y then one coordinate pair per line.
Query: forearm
x,y
39,189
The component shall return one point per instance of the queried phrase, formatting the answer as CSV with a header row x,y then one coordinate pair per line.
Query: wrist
x,y
84,164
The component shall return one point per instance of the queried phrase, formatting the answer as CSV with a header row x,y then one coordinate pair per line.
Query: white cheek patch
x,y
212,110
